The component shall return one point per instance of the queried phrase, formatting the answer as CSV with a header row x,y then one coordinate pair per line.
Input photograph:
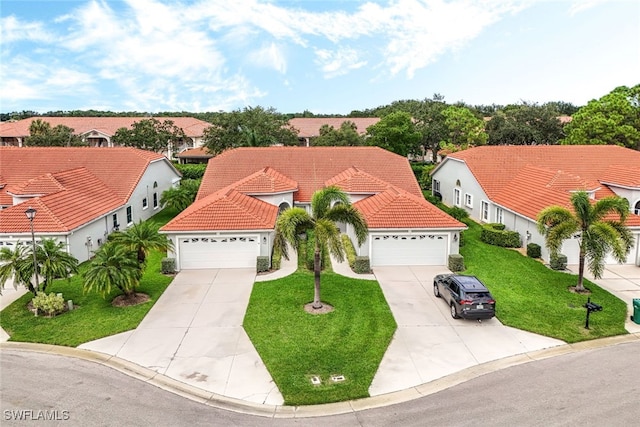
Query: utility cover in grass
x,y
295,345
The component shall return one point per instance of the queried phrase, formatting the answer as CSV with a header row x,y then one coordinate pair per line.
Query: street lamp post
x,y
31,214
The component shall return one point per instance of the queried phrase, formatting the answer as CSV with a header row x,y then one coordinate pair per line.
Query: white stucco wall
x,y
277,199
448,174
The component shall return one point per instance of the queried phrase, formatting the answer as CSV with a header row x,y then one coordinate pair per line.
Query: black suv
x,y
467,296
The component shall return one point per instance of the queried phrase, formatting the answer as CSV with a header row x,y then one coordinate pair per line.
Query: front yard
x,y
534,298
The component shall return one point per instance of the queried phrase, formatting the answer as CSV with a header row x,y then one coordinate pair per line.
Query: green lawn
x,y
95,317
535,298
296,345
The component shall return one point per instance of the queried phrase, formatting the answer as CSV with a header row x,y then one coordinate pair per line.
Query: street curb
x,y
280,411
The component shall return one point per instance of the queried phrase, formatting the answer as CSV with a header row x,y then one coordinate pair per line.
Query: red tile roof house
x,y
97,131
80,194
512,184
309,127
233,218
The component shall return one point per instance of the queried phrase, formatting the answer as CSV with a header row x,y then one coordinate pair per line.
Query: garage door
x,y
416,249
219,252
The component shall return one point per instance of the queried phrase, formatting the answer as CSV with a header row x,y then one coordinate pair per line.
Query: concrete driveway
x,y
428,343
194,334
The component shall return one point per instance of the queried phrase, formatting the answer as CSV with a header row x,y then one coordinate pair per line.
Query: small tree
x,y
141,239
328,207
150,134
113,266
16,265
179,198
599,232
54,262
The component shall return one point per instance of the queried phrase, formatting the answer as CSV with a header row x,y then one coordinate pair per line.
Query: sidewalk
x,y
9,295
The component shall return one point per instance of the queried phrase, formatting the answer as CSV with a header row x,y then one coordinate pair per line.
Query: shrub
x,y
361,265
431,198
192,171
276,258
558,262
51,304
534,250
456,262
168,265
349,250
458,213
262,263
494,234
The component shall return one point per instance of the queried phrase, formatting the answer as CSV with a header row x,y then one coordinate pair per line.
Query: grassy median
x,y
296,346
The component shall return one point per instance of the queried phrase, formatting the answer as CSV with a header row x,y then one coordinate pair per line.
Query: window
x,y
145,203
436,186
456,196
485,211
468,200
129,215
499,216
115,221
155,195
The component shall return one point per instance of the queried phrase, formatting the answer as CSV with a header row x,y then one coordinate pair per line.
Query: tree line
x,y
406,127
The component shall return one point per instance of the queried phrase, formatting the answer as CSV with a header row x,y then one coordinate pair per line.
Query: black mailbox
x,y
591,307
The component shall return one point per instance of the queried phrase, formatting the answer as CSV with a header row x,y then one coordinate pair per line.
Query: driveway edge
x,y
277,411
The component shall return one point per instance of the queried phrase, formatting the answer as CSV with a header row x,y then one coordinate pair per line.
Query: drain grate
x,y
337,378
315,380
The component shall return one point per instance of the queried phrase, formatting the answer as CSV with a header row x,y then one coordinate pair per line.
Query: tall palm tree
x,y
142,238
599,233
16,265
112,266
328,207
54,262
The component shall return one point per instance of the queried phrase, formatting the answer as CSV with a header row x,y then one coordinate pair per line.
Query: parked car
x,y
466,296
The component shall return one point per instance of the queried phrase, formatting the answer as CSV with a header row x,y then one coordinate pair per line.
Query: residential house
x,y
309,127
233,218
80,194
512,184
97,131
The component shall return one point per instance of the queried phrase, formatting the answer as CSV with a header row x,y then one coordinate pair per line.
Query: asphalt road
x,y
588,388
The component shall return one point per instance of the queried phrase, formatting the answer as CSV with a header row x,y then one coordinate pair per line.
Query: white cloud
x,y
578,6
338,62
13,29
269,56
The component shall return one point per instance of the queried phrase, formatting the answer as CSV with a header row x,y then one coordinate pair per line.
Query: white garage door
x,y
219,252
416,249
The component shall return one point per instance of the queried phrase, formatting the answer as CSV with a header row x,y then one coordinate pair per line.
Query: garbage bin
x,y
636,310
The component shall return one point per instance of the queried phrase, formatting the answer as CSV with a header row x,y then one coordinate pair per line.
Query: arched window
x,y
155,194
283,206
636,208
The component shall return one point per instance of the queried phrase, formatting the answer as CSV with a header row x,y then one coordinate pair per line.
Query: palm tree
x,y
54,262
179,198
16,265
328,206
113,265
599,234
142,238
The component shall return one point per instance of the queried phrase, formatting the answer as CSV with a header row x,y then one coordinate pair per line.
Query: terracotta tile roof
x,y
355,181
44,184
226,209
266,181
621,175
310,167
395,208
192,127
81,197
119,168
494,167
310,126
200,152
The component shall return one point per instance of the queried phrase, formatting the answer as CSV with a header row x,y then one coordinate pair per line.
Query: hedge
x,y
191,171
262,263
534,250
558,262
456,262
168,265
494,234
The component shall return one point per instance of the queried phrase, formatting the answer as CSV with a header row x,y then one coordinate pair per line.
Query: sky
x,y
327,57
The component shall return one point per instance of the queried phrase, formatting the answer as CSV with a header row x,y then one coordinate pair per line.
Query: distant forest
x,y
564,108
